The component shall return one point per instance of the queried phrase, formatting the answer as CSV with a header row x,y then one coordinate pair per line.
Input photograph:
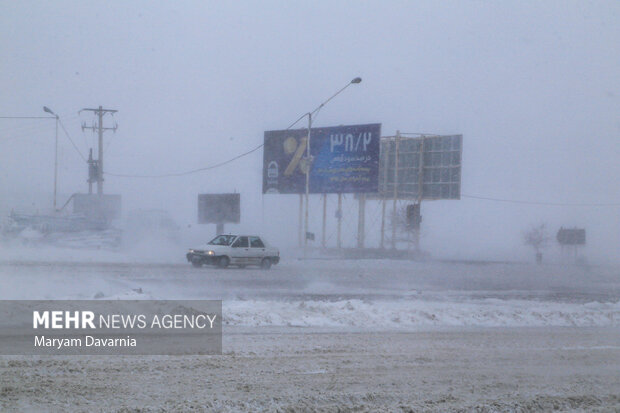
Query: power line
x,y
30,128
191,171
32,131
206,168
514,201
71,140
356,80
27,117
26,124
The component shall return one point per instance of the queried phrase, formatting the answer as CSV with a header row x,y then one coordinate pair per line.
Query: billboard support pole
x,y
324,219
219,228
397,143
301,209
420,193
382,245
361,220
386,160
339,242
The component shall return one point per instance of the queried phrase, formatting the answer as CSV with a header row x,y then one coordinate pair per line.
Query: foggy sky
x,y
534,87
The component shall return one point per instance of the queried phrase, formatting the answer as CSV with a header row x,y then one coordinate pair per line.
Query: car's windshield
x,y
222,240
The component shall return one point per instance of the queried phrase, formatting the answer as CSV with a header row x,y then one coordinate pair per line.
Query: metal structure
x,y
417,167
411,167
346,160
308,158
219,209
570,240
573,236
100,112
420,167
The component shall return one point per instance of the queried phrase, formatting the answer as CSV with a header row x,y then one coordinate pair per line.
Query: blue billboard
x,y
344,159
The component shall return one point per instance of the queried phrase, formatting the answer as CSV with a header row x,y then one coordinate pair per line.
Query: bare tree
x,y
537,238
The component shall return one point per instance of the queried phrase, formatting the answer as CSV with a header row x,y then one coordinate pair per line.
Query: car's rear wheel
x,y
223,262
265,264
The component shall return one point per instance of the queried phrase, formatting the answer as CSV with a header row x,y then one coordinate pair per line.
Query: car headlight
x,y
210,253
192,251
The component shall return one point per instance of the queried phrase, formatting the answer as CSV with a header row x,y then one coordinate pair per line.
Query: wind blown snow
x,y
392,315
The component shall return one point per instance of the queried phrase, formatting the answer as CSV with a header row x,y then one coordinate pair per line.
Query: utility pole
x,y
99,127
92,171
396,147
51,112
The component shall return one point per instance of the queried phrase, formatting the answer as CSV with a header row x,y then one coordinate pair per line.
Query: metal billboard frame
x,y
430,162
410,161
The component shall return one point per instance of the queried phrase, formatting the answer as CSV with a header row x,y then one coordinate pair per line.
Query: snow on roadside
x,y
405,314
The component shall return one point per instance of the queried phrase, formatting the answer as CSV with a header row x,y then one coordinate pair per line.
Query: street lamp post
x,y
308,159
307,166
48,110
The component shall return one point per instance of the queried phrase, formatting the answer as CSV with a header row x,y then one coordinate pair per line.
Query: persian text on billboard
x,y
345,160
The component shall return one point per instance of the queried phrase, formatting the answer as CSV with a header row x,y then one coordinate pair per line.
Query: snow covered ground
x,y
361,335
290,369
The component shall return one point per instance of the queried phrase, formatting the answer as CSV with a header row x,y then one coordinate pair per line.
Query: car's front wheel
x,y
265,263
197,263
223,262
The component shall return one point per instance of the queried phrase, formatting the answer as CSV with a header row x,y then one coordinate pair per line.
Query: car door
x,y
240,251
257,250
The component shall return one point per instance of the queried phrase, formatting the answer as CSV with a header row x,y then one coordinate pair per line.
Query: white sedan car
x,y
240,250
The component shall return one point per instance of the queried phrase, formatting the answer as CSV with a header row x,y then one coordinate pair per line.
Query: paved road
x,y
331,279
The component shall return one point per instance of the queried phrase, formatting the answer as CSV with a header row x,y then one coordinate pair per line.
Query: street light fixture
x,y
308,158
48,110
